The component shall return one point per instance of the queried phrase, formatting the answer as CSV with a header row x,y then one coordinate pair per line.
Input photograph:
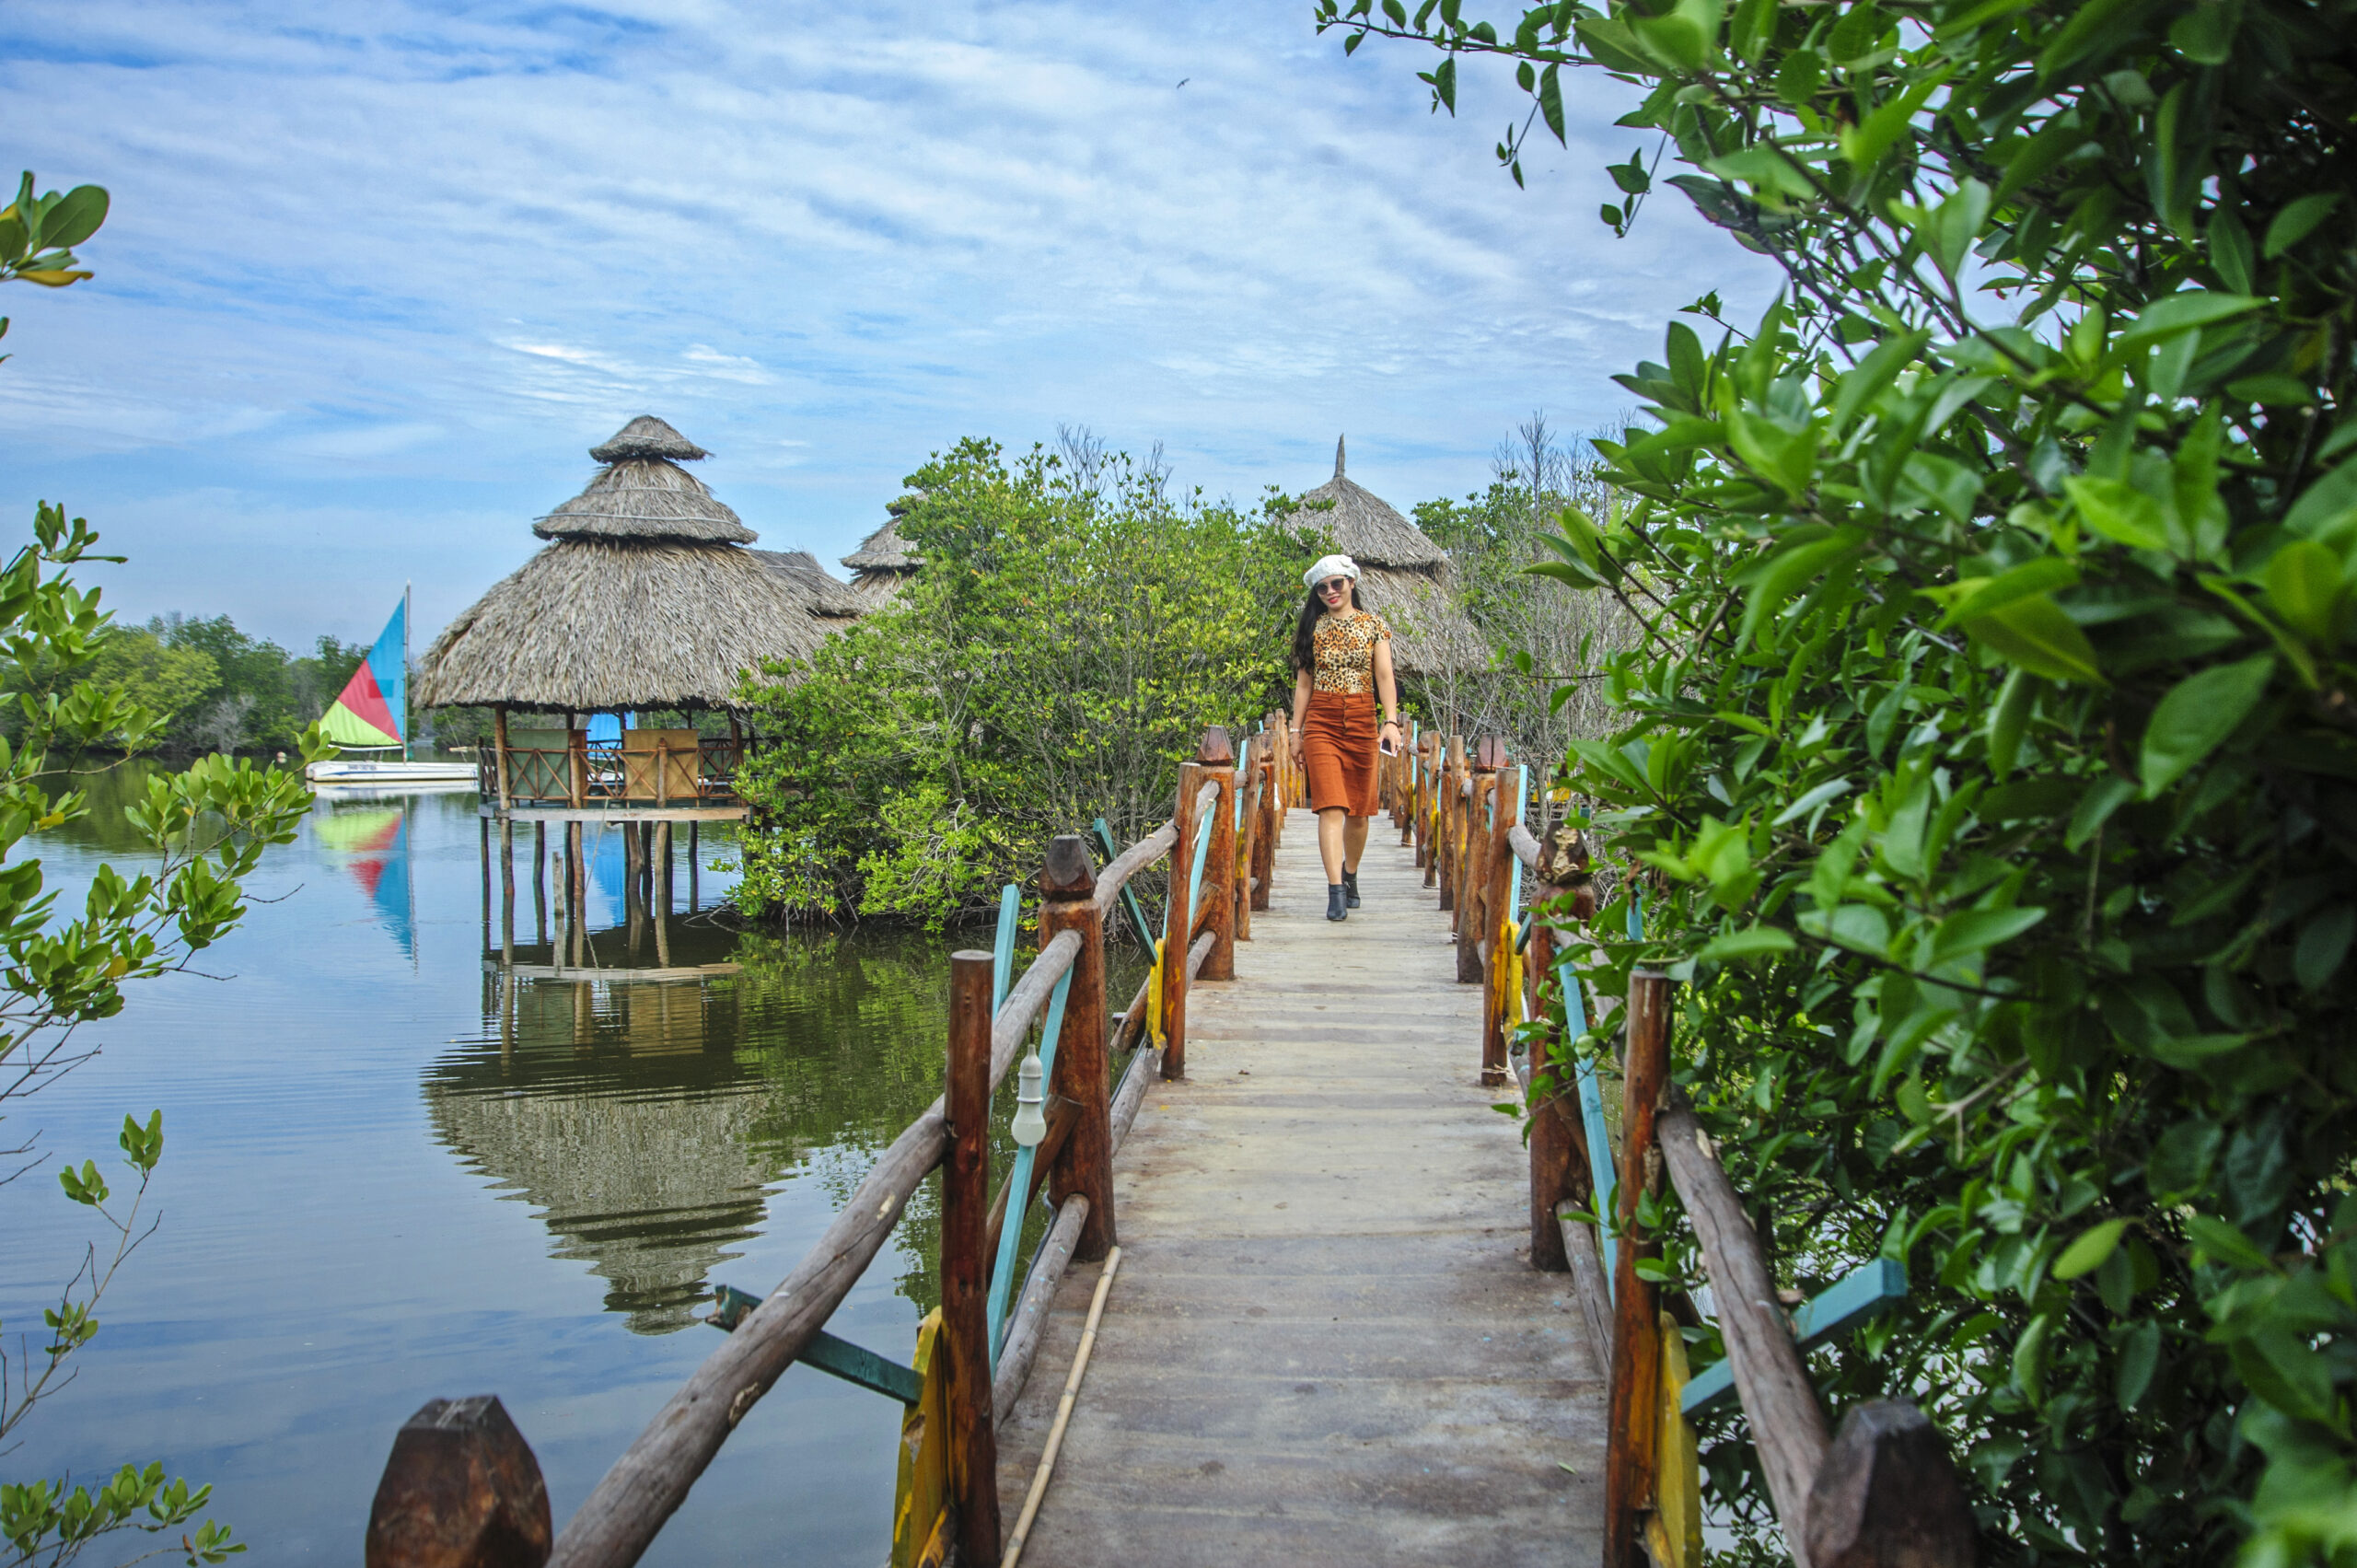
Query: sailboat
x,y
372,714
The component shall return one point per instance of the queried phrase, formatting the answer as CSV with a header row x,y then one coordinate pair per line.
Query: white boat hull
x,y
361,773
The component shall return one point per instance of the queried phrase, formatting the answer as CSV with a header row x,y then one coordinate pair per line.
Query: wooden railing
x,y
1879,1493
602,774
462,1488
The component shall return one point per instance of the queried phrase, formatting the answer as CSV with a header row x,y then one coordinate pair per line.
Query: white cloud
x,y
452,250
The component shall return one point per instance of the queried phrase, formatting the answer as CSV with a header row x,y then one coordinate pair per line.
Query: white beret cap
x,y
1331,566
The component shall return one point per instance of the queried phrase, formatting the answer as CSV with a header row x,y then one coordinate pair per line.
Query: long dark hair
x,y
1305,628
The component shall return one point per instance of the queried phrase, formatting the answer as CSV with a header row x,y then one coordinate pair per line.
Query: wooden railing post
x,y
1269,803
1556,1163
1179,925
1633,1410
965,1265
1497,886
1247,834
1217,755
1084,1074
1474,915
460,1489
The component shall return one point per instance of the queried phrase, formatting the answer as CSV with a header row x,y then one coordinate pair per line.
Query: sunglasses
x,y
1335,585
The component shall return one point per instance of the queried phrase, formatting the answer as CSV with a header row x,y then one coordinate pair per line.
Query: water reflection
x,y
646,1119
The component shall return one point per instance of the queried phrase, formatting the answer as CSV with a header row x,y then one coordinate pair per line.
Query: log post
x,y
964,1267
1474,915
576,892
1180,925
1248,833
461,1490
695,866
499,755
1084,1074
1787,1423
506,889
1497,887
540,881
1886,1496
1270,812
1217,755
1633,1410
1554,1157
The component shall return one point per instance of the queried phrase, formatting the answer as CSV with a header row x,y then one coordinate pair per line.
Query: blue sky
x,y
379,272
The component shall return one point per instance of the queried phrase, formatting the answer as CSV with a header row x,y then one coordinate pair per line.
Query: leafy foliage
x,y
1991,746
208,828
1073,629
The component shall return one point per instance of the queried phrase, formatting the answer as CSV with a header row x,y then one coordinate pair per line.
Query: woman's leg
x,y
1353,846
1331,833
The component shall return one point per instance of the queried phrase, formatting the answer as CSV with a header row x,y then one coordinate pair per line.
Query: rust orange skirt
x,y
1338,751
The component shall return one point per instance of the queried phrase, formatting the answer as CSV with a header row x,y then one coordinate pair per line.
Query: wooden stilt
x,y
662,900
540,883
506,891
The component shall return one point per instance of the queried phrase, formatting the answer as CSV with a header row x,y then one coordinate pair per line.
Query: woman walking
x,y
1341,659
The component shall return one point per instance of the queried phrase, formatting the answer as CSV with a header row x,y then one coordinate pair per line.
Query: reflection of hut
x,y
883,564
1405,578
649,1162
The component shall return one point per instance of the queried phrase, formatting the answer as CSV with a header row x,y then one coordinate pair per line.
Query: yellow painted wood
x,y
921,1494
1673,1532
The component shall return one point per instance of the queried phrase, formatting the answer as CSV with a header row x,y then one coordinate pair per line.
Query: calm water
x,y
382,1183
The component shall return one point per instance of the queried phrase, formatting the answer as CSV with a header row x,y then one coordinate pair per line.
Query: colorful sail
x,y
373,844
370,712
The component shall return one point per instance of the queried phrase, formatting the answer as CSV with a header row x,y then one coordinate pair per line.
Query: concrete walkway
x,y
1325,1343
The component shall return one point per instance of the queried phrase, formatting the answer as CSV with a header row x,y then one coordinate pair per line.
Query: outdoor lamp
x,y
1030,1125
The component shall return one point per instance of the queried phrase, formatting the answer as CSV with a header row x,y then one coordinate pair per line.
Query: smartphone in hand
x,y
1386,747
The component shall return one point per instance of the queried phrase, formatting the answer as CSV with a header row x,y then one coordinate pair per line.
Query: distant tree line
x,y
215,688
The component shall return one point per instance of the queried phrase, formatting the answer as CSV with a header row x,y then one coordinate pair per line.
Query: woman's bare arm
x,y
1300,703
1387,686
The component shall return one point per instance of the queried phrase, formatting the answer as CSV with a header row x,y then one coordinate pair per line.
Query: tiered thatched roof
x,y
645,598
883,564
832,598
1404,576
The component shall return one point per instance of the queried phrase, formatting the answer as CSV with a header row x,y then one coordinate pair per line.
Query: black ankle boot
x,y
1335,906
1351,889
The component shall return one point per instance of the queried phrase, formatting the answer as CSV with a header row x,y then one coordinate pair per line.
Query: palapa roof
x,y
885,550
647,437
832,598
1366,526
1403,575
645,599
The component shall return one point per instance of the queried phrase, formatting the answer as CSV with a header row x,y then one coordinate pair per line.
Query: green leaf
x,y
1974,931
2225,1244
2305,588
76,217
1759,941
2035,634
2087,1253
2327,507
2182,313
2297,220
1783,574
2008,719
2140,1357
2119,511
2324,943
1983,595
1551,101
1863,382
2197,715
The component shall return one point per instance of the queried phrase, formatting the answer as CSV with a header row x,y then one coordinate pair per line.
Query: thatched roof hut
x,y
646,598
883,564
1404,576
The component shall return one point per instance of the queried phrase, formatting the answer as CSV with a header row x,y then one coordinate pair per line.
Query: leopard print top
x,y
1345,646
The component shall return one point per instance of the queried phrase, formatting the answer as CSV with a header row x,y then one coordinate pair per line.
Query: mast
x,y
404,715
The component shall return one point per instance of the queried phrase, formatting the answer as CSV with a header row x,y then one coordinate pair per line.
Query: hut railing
x,y
608,775
1879,1491
462,1487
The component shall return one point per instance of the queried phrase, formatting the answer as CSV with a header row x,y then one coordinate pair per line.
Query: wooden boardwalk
x,y
1325,1343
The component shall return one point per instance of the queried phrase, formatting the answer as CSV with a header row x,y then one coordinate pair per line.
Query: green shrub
x,y
1992,748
